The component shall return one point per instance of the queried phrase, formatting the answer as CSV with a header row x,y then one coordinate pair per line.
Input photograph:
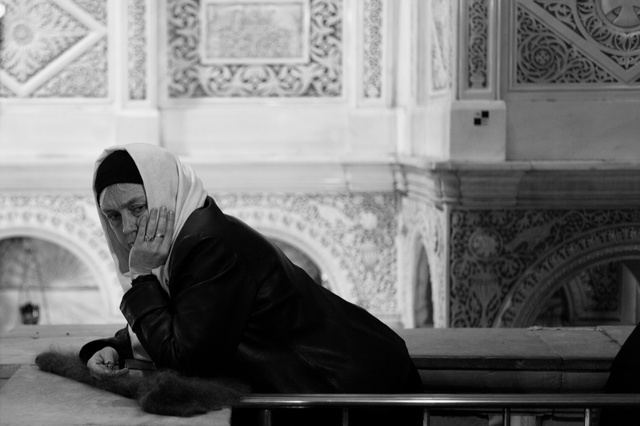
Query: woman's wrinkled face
x,y
124,204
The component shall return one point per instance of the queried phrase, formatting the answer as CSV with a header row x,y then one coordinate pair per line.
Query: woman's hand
x,y
104,364
153,242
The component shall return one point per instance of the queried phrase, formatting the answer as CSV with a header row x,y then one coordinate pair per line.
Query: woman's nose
x,y
129,223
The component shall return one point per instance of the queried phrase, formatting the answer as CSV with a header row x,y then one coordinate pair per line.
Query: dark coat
x,y
238,306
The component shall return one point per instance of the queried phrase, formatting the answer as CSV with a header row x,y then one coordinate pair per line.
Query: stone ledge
x,y
449,359
515,359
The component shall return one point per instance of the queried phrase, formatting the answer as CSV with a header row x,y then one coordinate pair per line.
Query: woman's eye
x,y
138,209
113,217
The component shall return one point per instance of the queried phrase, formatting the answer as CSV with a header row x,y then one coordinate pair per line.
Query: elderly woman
x,y
206,295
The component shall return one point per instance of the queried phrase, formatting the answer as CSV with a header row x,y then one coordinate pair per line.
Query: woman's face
x,y
124,204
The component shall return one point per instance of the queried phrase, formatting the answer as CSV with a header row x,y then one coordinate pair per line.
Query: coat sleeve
x,y
120,342
197,328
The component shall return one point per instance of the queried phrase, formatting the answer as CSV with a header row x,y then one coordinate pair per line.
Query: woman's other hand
x,y
104,364
153,242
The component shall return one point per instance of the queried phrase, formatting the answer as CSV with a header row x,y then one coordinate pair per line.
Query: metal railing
x,y
506,403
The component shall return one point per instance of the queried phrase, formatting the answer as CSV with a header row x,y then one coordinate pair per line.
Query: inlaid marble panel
x,y
246,31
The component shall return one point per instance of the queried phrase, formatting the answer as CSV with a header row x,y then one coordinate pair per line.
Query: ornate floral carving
x,y
545,58
190,78
137,50
600,42
477,52
373,48
521,256
616,242
85,77
50,46
35,33
97,9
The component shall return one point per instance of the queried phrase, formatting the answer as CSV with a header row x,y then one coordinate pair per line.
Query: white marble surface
x,y
33,397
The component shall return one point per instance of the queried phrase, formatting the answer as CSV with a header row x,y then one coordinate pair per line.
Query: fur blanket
x,y
163,392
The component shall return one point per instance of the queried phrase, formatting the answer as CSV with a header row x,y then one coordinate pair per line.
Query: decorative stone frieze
x,y
318,77
477,73
351,237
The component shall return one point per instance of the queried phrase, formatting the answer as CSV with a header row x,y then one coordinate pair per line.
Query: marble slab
x,y
33,397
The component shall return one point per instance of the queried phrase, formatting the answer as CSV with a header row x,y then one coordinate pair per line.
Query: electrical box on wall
x,y
478,131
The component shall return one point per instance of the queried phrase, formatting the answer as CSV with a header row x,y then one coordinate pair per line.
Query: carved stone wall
x,y
351,237
506,262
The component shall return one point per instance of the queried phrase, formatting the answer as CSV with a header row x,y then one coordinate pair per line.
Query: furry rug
x,y
163,392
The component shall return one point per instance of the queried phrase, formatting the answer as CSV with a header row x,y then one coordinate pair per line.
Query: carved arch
x,y
65,221
549,273
295,230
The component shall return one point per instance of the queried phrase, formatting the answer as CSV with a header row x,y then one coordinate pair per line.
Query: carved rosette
x,y
189,77
422,224
70,221
53,49
577,42
504,263
350,236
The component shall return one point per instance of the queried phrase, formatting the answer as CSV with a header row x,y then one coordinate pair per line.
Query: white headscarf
x,y
167,183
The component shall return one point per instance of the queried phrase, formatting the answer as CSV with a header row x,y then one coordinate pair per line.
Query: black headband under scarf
x,y
117,167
